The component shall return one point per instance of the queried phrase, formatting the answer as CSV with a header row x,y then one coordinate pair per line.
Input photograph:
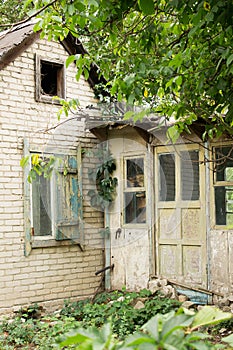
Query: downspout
x,y
107,243
207,200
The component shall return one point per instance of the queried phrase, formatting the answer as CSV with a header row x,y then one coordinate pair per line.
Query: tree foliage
x,y
175,57
11,11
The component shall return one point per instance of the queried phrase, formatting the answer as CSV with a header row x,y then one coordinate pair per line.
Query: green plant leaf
x,y
24,161
129,115
173,133
228,339
209,315
70,60
147,6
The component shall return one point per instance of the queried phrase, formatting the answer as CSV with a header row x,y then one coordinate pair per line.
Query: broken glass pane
x,y
135,172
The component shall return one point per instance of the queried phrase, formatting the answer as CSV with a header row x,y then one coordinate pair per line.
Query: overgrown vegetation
x,y
111,321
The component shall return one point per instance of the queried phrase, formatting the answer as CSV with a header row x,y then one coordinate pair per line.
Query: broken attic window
x,y
135,194
49,80
223,193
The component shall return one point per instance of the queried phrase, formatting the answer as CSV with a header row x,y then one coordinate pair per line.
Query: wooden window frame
x,y
58,238
46,98
218,184
133,189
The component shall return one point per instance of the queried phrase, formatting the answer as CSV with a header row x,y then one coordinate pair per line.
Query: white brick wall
x,y
48,275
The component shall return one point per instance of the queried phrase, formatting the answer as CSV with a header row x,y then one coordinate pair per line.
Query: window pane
x,y
41,207
167,187
224,163
190,175
135,172
135,207
224,205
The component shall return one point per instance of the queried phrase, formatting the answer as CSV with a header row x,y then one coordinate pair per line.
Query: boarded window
x,y
167,188
223,186
134,193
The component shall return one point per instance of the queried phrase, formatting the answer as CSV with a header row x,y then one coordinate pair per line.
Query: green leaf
x,y
229,59
152,326
228,339
160,92
173,133
179,80
209,315
70,60
24,161
129,115
147,6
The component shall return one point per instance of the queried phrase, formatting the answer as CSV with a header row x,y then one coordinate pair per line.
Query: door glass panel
x,y
135,172
167,188
190,175
135,207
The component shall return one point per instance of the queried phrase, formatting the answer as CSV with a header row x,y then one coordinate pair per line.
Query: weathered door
x,y
180,214
130,213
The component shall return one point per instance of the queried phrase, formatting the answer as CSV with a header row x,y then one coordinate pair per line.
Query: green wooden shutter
x,y
27,211
68,200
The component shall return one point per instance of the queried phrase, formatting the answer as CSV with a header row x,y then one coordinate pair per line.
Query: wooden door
x,y
180,214
129,215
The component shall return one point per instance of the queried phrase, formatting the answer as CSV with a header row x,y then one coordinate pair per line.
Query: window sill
x,y
49,99
223,228
48,243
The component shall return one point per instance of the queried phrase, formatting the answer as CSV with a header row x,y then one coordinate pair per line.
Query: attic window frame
x,y
60,65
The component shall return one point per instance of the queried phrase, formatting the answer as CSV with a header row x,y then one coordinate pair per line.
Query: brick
x,y
47,273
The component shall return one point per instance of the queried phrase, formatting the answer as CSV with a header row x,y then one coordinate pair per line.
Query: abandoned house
x,y
172,212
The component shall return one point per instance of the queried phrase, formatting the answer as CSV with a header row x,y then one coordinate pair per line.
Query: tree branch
x,y
12,25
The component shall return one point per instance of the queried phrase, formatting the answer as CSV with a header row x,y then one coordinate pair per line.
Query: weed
x,y
26,331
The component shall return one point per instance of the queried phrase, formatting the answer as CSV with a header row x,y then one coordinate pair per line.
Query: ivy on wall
x,y
102,177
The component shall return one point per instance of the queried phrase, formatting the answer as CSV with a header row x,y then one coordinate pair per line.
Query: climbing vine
x,y
102,177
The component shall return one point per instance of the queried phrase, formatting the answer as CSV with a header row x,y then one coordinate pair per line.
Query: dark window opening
x,y
51,79
167,188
